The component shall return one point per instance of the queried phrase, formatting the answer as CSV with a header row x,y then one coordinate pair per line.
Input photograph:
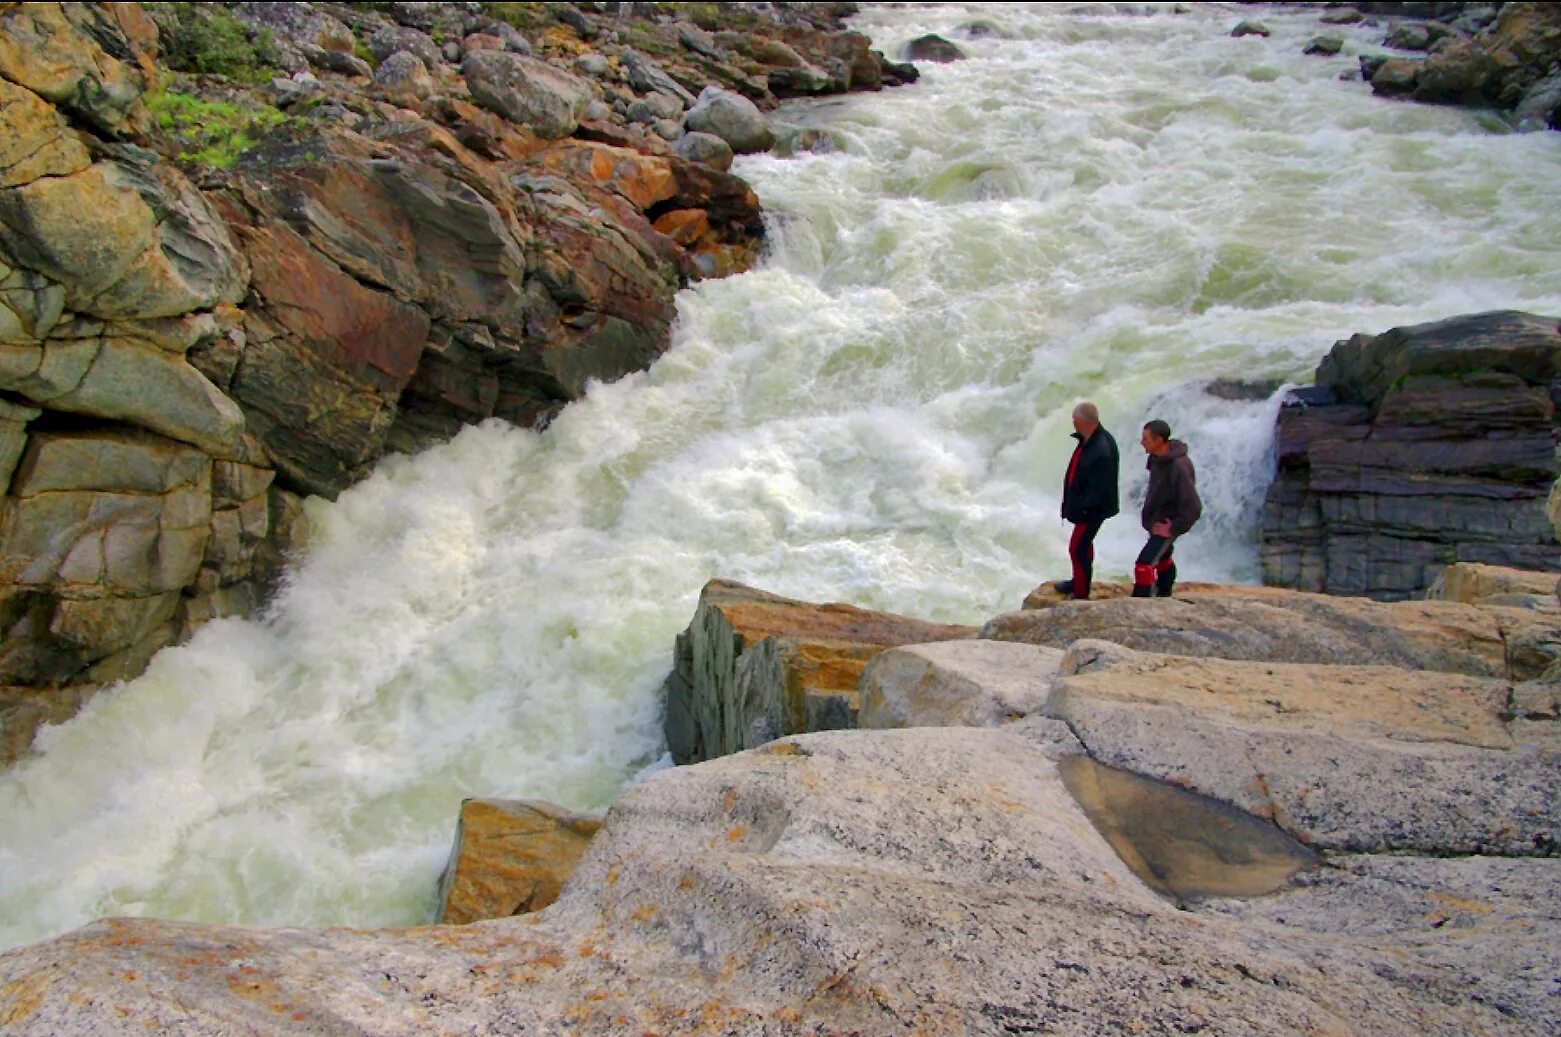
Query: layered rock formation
x,y
328,232
753,666
1160,843
1417,448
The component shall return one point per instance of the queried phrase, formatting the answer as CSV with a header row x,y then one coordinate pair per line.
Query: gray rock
x,y
345,64
956,684
1344,758
645,76
403,71
592,64
1251,28
668,129
393,38
945,880
698,40
299,23
706,148
733,118
527,91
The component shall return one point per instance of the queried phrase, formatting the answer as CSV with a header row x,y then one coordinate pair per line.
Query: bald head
x,y
1086,419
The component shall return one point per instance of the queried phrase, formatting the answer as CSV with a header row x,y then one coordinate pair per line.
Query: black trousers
x,y
1081,552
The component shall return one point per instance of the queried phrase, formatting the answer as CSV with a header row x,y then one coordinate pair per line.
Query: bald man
x,y
1089,495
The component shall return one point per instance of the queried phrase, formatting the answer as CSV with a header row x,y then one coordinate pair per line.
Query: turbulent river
x,y
1114,202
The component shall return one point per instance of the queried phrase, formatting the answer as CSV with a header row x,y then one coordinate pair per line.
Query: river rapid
x,y
1107,201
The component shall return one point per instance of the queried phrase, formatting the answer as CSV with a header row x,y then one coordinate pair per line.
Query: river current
x,y
1116,202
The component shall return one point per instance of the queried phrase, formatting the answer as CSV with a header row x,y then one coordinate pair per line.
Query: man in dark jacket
x,y
1089,494
1171,507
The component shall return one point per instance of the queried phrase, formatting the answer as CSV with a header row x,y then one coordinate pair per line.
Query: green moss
x,y
210,133
528,18
209,41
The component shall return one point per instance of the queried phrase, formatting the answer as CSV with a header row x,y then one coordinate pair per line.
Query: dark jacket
x,y
1173,490
1089,492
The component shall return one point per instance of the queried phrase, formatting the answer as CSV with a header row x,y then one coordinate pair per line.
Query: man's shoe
x,y
1064,587
1142,590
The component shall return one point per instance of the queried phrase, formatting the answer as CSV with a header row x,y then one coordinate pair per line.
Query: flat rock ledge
x,y
1073,838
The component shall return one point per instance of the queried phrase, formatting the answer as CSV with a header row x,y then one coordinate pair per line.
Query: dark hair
x,y
1158,429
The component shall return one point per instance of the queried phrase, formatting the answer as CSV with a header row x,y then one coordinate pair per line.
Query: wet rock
x,y
731,117
705,148
1183,845
933,48
1344,758
754,666
1251,28
1409,36
1498,66
1395,77
527,91
966,683
1541,106
510,857
1326,45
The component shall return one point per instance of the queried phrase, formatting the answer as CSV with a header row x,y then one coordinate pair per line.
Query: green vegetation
x,y
528,18
209,41
211,133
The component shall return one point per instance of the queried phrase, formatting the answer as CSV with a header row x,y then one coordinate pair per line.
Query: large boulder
x,y
510,857
753,666
733,118
943,881
527,90
1499,65
1417,448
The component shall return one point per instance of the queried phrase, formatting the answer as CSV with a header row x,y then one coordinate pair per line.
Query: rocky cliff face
x,y
1176,838
245,250
1416,448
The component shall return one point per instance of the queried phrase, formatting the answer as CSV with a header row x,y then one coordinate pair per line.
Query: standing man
x,y
1089,495
1171,507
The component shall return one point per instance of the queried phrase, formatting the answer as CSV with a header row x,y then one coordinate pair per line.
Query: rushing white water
x,y
1110,202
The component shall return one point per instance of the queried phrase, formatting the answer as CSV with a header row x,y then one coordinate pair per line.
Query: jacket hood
x,y
1174,448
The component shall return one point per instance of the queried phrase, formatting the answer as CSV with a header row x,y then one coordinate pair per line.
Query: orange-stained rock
x,y
34,140
644,180
510,857
754,666
685,226
54,50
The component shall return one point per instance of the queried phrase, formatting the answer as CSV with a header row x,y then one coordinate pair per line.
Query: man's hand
x,y
1161,528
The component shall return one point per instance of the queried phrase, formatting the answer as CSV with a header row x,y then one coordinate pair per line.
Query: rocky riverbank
x,y
247,249
1181,829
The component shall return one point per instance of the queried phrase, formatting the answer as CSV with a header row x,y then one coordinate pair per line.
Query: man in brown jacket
x,y
1171,507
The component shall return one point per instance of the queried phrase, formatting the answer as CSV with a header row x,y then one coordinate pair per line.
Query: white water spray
x,y
1110,202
